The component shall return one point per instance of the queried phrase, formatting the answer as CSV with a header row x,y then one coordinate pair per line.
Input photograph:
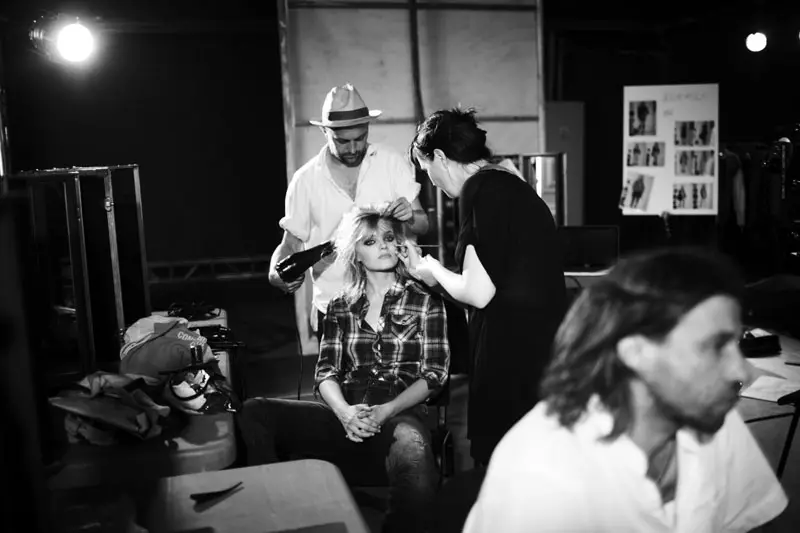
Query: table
x,y
299,496
206,442
768,421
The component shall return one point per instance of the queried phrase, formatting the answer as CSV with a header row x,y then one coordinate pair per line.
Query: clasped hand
x,y
362,421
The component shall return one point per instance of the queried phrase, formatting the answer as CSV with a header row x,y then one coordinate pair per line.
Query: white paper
x,y
770,388
670,150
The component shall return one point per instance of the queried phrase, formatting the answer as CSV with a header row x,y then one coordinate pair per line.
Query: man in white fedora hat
x,y
347,172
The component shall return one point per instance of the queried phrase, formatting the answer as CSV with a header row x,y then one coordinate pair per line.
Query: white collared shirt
x,y
315,204
544,478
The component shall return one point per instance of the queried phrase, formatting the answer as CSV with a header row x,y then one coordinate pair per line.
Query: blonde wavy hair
x,y
355,226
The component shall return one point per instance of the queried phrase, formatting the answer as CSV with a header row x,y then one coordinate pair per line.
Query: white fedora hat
x,y
344,107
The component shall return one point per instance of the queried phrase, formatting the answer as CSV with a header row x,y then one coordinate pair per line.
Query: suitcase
x,y
87,232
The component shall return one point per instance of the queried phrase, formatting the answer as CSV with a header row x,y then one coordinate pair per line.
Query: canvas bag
x,y
161,347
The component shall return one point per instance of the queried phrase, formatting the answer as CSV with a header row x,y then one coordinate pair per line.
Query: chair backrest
x,y
441,400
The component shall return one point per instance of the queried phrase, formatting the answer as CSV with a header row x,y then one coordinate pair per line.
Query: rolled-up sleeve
x,y
297,208
329,364
435,347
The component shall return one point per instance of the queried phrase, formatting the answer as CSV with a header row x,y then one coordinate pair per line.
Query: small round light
x,y
756,42
75,42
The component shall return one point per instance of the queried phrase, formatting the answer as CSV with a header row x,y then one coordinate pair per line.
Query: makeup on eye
x,y
387,238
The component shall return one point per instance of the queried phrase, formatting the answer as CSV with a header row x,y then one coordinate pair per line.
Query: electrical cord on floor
x,y
299,351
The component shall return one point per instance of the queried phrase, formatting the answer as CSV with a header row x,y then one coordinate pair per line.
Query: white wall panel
x,y
512,137
483,59
370,48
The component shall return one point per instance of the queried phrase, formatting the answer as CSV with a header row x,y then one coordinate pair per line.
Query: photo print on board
x,y
695,162
642,118
695,133
693,196
636,191
646,154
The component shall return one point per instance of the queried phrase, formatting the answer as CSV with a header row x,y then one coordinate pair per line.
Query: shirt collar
x,y
372,149
360,306
597,422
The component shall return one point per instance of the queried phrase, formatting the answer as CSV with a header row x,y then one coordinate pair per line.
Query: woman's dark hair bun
x,y
455,132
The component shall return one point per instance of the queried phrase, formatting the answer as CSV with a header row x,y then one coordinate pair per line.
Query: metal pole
x,y
419,109
80,274
140,221
5,163
414,121
288,98
114,249
303,309
540,76
783,170
443,6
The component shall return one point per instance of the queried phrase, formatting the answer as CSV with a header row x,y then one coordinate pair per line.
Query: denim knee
x,y
412,479
410,457
410,441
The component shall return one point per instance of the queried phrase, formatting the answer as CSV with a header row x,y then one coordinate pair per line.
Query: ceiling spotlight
x,y
756,41
63,38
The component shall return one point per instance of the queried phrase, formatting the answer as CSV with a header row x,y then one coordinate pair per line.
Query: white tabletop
x,y
274,498
771,432
773,366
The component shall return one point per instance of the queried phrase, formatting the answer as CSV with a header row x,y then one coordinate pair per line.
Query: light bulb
x,y
75,42
756,42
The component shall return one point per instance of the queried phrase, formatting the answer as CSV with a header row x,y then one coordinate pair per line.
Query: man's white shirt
x,y
315,204
545,478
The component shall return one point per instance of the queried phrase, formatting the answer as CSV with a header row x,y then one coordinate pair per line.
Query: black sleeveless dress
x,y
510,340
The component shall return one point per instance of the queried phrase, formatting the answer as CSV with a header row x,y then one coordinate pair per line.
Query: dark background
x,y
594,49
191,91
197,106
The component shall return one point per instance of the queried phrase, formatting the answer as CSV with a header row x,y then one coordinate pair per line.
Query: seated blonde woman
x,y
383,352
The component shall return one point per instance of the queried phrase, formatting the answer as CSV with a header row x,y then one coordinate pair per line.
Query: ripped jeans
x,y
277,430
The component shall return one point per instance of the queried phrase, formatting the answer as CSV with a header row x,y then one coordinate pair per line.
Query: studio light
x,y
63,38
756,41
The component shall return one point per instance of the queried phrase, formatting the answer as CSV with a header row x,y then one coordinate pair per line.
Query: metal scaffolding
x,y
212,269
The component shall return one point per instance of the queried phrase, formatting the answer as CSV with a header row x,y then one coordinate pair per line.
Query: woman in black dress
x,y
511,279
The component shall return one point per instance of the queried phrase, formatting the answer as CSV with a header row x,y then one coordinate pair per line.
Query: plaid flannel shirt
x,y
410,343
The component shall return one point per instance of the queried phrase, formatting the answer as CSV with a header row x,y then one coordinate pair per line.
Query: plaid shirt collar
x,y
361,306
